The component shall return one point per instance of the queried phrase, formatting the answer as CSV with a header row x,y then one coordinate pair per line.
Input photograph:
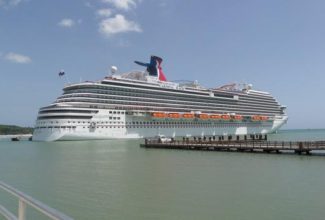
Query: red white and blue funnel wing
x,y
154,67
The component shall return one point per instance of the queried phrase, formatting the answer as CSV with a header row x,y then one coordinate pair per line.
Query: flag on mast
x,y
61,73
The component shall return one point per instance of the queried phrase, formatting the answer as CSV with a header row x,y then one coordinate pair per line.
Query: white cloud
x,y
117,24
122,4
14,2
89,5
10,3
67,22
104,12
17,58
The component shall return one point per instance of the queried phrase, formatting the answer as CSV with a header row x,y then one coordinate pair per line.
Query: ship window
x,y
110,118
110,112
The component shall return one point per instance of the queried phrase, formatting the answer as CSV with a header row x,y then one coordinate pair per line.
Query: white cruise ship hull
x,y
123,131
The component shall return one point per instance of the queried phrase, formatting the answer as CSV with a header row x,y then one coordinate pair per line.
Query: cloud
x,y
117,24
14,2
89,5
122,4
10,3
67,23
17,58
104,12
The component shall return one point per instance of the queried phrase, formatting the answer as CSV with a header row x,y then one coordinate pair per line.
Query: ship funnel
x,y
154,67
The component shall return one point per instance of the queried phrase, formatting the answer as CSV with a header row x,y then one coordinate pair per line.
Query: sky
x,y
278,46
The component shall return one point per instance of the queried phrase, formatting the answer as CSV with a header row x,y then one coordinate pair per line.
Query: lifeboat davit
x,y
158,115
203,116
215,116
238,117
173,115
225,117
188,115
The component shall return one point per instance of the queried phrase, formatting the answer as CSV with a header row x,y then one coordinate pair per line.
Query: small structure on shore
x,y
15,139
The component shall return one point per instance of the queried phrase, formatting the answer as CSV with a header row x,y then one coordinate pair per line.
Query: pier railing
x,y
23,201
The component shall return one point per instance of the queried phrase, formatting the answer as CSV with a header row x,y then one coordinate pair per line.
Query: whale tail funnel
x,y
154,67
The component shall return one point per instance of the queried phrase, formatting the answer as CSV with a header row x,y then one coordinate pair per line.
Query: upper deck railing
x,y
23,201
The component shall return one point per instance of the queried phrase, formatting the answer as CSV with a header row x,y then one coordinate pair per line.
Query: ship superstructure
x,y
145,104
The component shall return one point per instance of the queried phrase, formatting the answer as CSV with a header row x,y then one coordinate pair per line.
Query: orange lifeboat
x,y
158,115
215,116
203,116
238,117
188,115
225,117
256,118
173,115
264,118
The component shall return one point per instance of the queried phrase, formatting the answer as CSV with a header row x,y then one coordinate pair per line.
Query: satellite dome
x,y
113,69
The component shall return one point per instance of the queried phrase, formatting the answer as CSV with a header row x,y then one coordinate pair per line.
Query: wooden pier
x,y
296,147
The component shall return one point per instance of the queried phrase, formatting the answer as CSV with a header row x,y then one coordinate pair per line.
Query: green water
x,y
119,180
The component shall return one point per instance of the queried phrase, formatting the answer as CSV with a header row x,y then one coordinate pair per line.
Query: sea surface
x,y
91,180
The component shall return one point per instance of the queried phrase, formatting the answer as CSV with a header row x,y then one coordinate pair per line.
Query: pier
x,y
297,147
16,137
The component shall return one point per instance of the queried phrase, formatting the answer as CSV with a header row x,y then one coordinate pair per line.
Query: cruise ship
x,y
143,104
